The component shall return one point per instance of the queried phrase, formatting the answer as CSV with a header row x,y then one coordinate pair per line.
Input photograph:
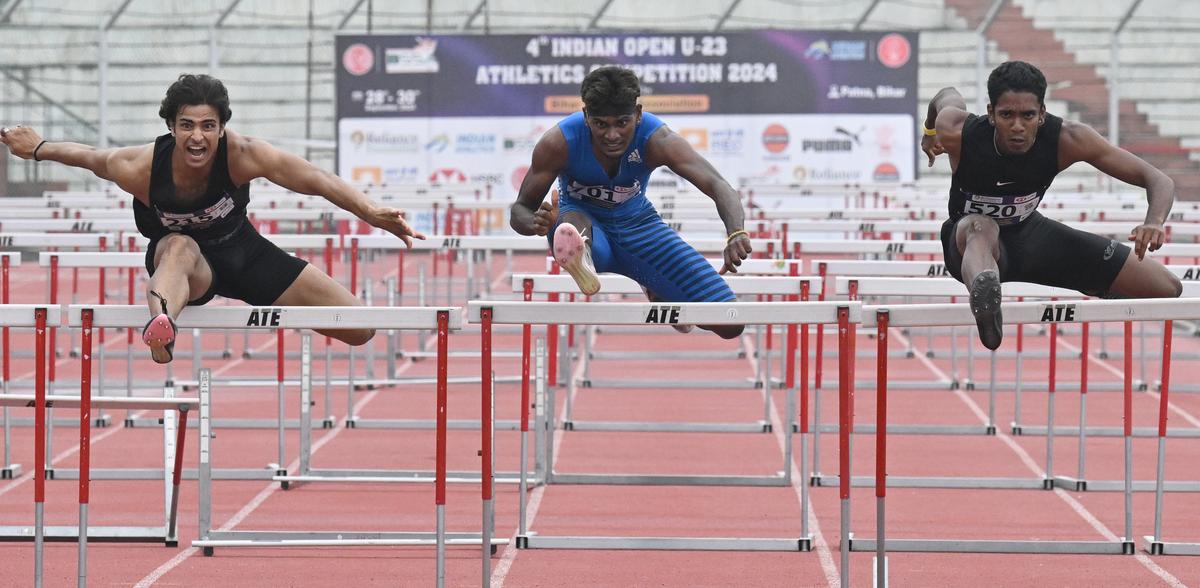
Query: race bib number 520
x,y
1005,209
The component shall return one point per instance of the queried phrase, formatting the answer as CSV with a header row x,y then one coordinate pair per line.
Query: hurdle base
x,y
662,427
869,428
157,474
535,541
1069,483
1156,547
10,472
426,424
936,482
1140,432
661,480
992,546
70,534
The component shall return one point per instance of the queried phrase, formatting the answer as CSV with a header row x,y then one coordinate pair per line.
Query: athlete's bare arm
x,y
254,158
946,114
531,214
1079,142
666,147
128,167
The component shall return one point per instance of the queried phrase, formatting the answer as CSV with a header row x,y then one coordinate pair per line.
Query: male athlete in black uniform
x,y
1003,164
190,190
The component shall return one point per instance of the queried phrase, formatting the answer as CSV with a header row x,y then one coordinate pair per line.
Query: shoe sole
x,y
571,252
159,335
985,305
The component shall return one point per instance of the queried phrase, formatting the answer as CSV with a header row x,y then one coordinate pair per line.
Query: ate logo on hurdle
x,y
451,243
1058,313
936,269
663,315
263,317
1191,273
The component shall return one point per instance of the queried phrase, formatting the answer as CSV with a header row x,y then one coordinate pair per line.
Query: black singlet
x,y
1007,188
212,219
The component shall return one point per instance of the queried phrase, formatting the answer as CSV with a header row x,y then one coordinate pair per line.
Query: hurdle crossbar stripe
x,y
22,315
868,246
945,315
273,317
855,267
121,402
38,240
890,286
108,259
635,313
617,284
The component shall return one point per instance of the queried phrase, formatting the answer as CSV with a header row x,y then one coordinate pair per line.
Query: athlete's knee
x,y
729,331
1173,287
977,225
357,337
177,248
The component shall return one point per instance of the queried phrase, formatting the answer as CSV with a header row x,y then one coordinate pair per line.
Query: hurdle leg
x,y
816,437
1016,423
443,321
281,424
1155,543
328,422
991,420
393,336
205,482
305,402
1081,480
350,416
39,450
764,382
1128,409
368,299
845,427
85,436
1051,385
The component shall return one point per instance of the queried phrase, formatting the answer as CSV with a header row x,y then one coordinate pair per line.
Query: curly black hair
x,y
610,88
193,89
1016,76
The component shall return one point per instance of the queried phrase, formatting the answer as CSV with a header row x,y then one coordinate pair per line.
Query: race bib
x,y
1006,210
200,219
603,195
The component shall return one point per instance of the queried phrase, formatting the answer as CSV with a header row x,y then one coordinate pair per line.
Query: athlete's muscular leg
x,y
1146,278
181,274
313,288
582,223
978,240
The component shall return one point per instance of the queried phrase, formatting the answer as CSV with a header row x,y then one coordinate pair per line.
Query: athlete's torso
x,y
585,182
216,215
1007,188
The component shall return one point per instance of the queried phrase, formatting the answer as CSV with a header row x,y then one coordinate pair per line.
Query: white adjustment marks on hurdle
x,y
617,284
119,402
292,242
38,240
108,259
643,313
939,287
274,317
455,242
867,246
1078,311
22,315
858,267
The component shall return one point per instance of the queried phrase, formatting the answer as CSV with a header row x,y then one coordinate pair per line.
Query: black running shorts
x,y
1045,251
246,267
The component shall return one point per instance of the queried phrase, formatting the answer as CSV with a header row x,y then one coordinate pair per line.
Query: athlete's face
x,y
1016,116
611,135
197,130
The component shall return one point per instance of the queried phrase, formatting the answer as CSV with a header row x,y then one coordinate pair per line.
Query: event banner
x,y
764,106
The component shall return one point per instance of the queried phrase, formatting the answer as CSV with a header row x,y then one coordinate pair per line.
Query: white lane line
x,y
507,558
266,492
1105,365
1075,505
783,435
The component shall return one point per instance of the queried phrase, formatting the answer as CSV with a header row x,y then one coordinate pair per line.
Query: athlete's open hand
x,y
546,215
21,140
736,250
392,221
1147,237
932,147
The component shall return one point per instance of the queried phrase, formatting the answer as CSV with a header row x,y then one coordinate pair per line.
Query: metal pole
x,y
102,72
981,56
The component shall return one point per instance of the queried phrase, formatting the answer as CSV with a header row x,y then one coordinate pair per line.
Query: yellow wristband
x,y
735,234
928,131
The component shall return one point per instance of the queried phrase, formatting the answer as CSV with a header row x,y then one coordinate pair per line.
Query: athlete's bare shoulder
x,y
129,168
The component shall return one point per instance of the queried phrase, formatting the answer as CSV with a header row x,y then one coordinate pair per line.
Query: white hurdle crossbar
x,y
883,317
487,313
794,288
300,317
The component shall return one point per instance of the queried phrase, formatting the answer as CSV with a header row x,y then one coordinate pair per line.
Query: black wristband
x,y
35,150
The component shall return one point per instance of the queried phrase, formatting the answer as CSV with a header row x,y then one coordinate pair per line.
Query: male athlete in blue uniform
x,y
1003,164
602,158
